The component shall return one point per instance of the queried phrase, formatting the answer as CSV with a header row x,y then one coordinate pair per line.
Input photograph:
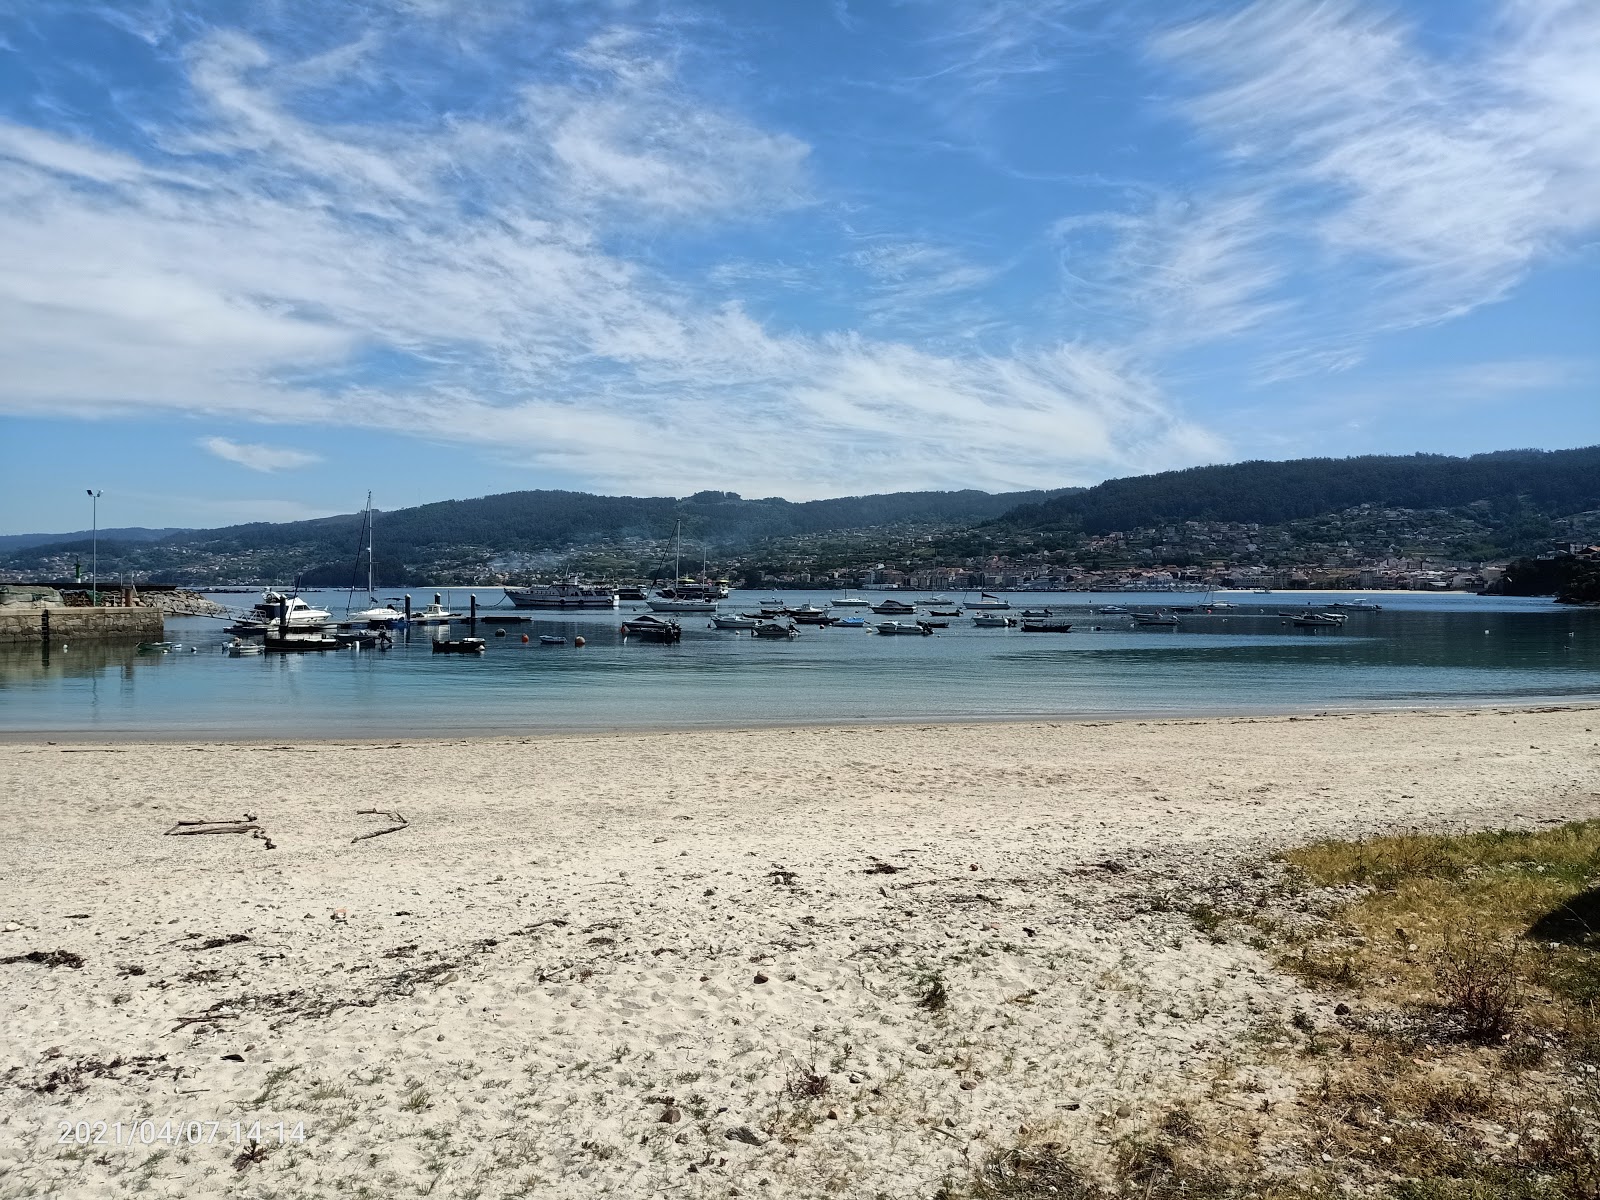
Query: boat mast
x,y
370,597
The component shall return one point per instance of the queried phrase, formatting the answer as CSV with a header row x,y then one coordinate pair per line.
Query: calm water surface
x,y
1419,651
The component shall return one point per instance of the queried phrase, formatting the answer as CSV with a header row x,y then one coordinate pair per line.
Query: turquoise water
x,y
1421,650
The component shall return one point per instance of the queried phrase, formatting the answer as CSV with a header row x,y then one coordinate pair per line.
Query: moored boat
x,y
771,629
1046,627
649,628
550,639
434,614
469,645
851,602
742,621
990,601
1154,619
904,627
894,608
991,621
564,595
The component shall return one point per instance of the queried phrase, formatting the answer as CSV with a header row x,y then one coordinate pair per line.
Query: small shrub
x,y
806,1085
1480,983
934,996
1031,1174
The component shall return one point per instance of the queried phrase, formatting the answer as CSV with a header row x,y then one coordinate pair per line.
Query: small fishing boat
x,y
550,639
159,647
365,639
1036,612
903,627
434,614
851,623
742,621
1316,620
990,621
652,629
894,608
1357,605
239,648
1046,627
772,629
812,616
945,612
469,645
1113,610
296,642
1154,620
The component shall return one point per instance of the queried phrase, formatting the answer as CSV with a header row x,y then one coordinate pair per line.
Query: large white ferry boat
x,y
570,594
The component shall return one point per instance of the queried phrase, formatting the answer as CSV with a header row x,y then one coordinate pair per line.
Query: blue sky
x,y
258,258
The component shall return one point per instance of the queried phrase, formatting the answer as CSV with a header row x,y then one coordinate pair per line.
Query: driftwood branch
x,y
195,1020
193,828
380,812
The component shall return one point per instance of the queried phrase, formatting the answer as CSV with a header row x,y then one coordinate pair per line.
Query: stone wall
x,y
23,624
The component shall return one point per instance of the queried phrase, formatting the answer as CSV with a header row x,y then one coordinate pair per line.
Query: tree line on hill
x,y
1515,485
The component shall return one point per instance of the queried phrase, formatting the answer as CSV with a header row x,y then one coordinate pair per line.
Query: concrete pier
x,y
25,623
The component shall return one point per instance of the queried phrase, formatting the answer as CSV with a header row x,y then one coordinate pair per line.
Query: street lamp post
x,y
94,545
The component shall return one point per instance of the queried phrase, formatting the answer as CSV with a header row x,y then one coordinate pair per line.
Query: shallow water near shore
x,y
1421,650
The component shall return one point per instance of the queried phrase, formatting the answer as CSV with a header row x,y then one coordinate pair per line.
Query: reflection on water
x,y
1418,650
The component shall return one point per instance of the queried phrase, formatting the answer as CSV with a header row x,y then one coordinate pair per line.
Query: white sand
x,y
542,1064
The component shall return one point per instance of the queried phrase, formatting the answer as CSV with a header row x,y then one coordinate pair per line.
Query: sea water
x,y
1419,651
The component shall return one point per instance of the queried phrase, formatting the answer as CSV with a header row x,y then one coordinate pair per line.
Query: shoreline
x,y
136,737
592,963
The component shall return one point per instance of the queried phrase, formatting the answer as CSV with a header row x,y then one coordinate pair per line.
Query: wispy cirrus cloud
x,y
258,457
457,276
1426,186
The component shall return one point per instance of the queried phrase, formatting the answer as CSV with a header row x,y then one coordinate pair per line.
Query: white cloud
x,y
1435,184
258,457
455,278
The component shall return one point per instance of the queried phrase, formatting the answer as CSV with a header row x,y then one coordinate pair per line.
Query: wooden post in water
x,y
408,616
472,609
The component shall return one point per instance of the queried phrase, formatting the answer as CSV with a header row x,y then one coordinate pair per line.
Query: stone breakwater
x,y
28,624
180,603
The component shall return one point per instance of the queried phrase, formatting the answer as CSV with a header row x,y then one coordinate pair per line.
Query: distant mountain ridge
x,y
22,541
1549,482
530,522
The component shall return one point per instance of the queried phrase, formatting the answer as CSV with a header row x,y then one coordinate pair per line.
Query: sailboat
x,y
377,616
684,596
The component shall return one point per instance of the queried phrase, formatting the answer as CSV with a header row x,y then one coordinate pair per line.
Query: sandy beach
x,y
776,963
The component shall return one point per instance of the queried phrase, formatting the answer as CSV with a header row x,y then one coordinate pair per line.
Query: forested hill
x,y
535,521
1550,482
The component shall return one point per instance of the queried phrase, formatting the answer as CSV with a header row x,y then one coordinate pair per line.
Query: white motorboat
x,y
988,601
735,622
943,601
851,602
1113,610
434,614
239,648
991,621
902,627
296,616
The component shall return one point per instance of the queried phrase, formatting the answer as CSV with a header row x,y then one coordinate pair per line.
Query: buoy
x,y
499,633
577,641
524,638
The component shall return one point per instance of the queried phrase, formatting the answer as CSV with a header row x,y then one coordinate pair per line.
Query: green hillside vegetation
x,y
460,534
1517,491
